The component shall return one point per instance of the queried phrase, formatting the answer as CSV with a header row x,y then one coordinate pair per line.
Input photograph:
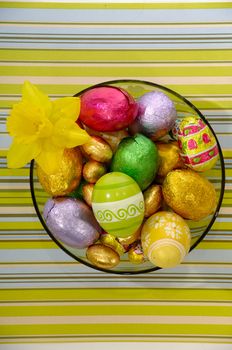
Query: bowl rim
x,y
215,215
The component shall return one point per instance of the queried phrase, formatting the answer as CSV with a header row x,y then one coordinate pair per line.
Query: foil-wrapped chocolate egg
x,y
197,143
152,199
87,191
112,242
127,241
102,256
169,158
107,108
189,194
165,239
135,254
156,115
67,178
137,157
93,170
97,149
113,138
71,222
118,204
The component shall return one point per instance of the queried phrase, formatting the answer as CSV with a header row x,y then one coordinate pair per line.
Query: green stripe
x,y
106,5
116,71
181,55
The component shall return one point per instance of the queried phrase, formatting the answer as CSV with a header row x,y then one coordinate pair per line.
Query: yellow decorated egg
x,y
165,239
118,204
197,143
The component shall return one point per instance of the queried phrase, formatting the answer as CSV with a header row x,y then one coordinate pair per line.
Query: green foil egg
x,y
137,157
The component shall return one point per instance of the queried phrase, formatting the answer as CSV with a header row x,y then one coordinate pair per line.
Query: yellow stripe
x,y
116,55
129,294
28,244
119,309
123,6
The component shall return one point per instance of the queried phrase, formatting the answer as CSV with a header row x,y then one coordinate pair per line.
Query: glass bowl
x,y
198,229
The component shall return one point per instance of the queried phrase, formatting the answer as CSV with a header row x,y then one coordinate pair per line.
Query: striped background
x,y
64,47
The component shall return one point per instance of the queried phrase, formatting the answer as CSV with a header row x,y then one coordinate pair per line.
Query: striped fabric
x,y
63,47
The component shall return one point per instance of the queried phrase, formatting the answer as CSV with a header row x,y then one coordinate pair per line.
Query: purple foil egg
x,y
156,115
71,222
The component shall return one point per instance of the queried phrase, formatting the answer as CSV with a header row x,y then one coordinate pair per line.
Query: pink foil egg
x,y
107,108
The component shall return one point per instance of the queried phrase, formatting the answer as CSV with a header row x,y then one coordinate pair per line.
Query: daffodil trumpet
x,y
42,129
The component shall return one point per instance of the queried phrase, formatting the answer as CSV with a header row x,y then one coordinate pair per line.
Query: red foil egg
x,y
107,108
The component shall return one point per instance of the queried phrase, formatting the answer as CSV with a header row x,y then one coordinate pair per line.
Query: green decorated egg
x,y
118,204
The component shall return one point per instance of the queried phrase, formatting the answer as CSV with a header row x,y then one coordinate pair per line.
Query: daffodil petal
x,y
68,134
50,160
66,107
36,97
20,154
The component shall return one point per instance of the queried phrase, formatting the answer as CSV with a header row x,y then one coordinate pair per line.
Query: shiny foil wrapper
x,y
127,241
67,178
135,254
92,171
152,199
111,241
189,194
102,256
169,158
87,191
97,149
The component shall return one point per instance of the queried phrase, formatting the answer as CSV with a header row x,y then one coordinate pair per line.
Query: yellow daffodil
x,y
42,129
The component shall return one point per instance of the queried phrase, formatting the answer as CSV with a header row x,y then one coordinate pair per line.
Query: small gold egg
x,y
126,241
111,241
152,199
67,178
87,191
169,158
135,254
102,256
93,170
97,149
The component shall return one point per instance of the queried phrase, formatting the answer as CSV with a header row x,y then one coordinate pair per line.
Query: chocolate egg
x,y
71,222
169,158
97,149
137,157
126,241
88,193
112,242
67,178
135,254
156,115
165,239
113,138
92,171
197,143
107,108
102,256
118,204
152,199
189,194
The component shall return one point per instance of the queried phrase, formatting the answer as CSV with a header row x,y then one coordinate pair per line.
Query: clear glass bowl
x,y
198,229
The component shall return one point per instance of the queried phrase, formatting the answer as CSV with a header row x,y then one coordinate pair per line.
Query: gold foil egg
x,y
111,241
97,149
67,178
165,239
126,241
198,145
93,170
102,256
135,254
87,191
152,199
169,158
113,138
189,194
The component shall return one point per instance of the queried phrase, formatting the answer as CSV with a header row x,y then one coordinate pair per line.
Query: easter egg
x,y
197,143
135,254
97,149
152,199
137,157
156,115
165,239
71,222
112,242
118,204
93,170
107,108
102,256
67,178
189,194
